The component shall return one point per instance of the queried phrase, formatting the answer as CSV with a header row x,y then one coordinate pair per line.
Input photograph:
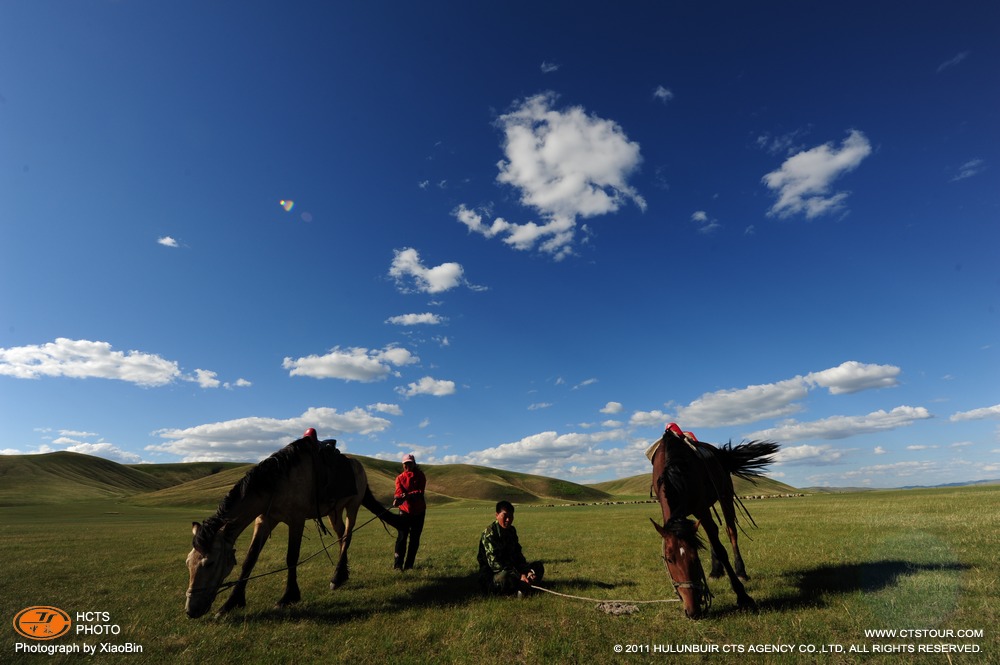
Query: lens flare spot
x,y
287,205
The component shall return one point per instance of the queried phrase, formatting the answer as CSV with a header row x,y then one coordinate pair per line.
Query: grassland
x,y
825,569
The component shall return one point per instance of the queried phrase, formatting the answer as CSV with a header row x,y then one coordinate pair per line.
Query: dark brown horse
x,y
301,481
689,477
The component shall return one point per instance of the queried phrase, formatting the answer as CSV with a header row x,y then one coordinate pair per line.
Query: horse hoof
x,y
746,603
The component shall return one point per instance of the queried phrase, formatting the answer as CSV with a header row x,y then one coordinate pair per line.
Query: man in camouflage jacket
x,y
502,566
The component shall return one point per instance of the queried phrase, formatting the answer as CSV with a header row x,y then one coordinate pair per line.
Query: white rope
x,y
601,600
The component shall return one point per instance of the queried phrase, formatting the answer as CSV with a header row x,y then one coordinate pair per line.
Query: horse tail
x,y
747,460
372,504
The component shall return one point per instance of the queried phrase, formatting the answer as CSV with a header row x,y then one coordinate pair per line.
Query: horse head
x,y
210,561
680,556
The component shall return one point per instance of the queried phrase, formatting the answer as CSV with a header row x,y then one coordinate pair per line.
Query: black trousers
x,y
507,582
410,527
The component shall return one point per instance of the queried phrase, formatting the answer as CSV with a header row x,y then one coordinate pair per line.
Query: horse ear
x,y
194,528
659,529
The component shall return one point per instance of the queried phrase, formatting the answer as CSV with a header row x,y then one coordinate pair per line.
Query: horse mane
x,y
686,530
261,478
674,477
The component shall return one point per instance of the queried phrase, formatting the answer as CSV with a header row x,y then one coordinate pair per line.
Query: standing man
x,y
502,566
409,496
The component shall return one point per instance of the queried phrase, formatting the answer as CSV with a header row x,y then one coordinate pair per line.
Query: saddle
x,y
700,449
335,476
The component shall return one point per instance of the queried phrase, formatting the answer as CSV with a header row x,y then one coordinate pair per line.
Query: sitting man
x,y
502,567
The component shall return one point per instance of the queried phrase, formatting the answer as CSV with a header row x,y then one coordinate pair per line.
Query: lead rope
x,y
324,548
600,600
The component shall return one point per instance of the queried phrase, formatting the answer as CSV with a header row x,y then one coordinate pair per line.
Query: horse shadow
x,y
459,589
442,590
814,585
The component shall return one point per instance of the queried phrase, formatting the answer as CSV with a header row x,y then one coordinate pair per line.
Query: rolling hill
x,y
64,476
54,478
59,477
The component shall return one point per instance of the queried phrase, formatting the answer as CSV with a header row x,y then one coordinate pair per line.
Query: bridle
x,y
222,585
700,586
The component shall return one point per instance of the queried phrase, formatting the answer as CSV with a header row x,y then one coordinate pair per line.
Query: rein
x,y
324,548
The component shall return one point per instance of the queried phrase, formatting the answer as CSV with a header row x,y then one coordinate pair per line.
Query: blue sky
x,y
522,235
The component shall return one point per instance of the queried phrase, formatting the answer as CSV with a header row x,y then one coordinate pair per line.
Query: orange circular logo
x,y
42,622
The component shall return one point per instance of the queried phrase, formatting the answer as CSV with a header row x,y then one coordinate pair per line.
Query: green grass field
x,y
825,568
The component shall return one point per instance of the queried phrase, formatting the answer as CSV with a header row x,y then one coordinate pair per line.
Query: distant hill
x,y
64,476
445,483
175,474
54,478
639,487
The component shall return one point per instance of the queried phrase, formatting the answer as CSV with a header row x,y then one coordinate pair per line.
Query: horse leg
x,y
292,594
340,573
237,598
729,514
743,599
717,569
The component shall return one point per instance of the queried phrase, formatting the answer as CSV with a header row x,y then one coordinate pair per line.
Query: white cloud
x,y
977,414
428,386
773,400
663,94
653,418
895,470
105,450
538,452
879,450
353,364
951,62
784,144
391,409
565,164
842,427
206,379
806,454
549,67
69,440
69,432
406,266
705,223
252,439
612,408
745,405
426,318
167,241
539,405
83,359
852,377
804,180
969,169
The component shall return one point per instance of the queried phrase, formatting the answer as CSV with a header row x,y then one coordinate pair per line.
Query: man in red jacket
x,y
409,496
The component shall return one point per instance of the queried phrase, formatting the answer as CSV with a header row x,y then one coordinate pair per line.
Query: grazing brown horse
x,y
690,476
301,481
